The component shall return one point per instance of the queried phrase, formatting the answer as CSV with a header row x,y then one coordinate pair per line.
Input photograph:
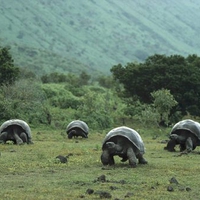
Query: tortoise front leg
x,y
3,137
16,136
189,145
107,158
141,159
131,157
17,139
171,145
71,134
24,138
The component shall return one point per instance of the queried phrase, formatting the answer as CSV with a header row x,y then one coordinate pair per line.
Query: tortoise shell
x,y
78,124
130,134
189,125
17,122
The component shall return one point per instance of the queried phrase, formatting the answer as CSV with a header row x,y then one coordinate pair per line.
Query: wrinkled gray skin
x,y
77,128
15,130
125,143
186,134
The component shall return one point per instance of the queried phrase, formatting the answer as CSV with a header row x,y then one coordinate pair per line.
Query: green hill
x,y
93,35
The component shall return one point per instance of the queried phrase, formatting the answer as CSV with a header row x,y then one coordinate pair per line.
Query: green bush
x,y
25,100
101,110
76,91
54,78
65,102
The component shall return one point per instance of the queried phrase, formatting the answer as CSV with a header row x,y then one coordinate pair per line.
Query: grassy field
x,y
33,172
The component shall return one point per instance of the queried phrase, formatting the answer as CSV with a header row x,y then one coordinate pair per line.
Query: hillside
x,y
74,35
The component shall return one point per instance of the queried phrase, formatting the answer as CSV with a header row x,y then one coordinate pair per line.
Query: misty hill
x,y
93,35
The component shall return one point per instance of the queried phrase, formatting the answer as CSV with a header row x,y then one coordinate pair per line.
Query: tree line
x,y
175,73
162,89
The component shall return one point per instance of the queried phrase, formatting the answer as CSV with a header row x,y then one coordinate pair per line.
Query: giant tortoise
x,y
186,134
77,128
125,143
15,130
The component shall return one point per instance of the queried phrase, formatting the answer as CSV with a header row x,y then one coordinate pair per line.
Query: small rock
x,y
89,191
105,195
173,180
113,188
170,189
101,178
188,189
62,159
129,194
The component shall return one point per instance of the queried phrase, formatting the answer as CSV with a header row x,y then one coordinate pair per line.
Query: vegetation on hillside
x,y
71,36
136,91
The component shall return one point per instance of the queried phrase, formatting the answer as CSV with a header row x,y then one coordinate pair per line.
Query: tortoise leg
x,y
29,141
141,159
3,137
106,158
111,160
80,132
16,137
171,145
23,136
189,144
132,157
71,134
84,135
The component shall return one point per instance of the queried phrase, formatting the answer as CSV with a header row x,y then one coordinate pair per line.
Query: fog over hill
x,y
93,35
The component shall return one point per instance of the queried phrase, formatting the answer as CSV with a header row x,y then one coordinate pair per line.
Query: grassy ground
x,y
33,172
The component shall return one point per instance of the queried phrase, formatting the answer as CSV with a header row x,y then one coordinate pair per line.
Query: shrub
x,y
25,100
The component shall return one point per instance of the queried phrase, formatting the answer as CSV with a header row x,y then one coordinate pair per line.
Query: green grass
x,y
33,172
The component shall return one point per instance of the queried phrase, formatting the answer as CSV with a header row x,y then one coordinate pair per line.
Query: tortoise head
x,y
173,137
112,147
